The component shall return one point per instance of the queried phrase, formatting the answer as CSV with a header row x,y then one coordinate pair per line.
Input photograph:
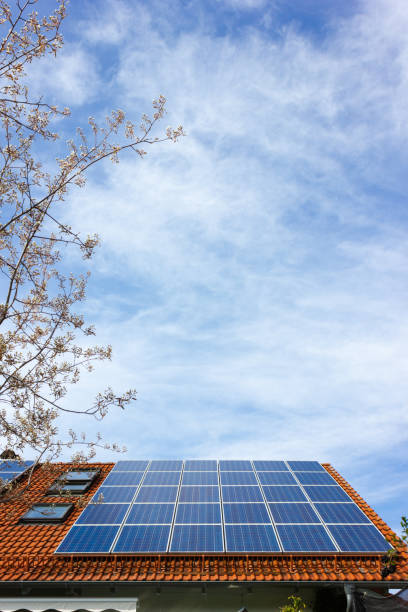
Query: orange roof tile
x,y
26,551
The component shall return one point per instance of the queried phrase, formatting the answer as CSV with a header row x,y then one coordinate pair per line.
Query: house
x,y
190,535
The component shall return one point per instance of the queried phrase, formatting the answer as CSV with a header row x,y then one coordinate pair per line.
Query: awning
x,y
68,604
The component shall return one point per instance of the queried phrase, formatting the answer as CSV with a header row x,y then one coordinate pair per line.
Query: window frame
x,y
47,519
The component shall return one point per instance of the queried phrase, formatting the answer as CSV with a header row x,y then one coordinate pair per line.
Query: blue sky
x,y
253,277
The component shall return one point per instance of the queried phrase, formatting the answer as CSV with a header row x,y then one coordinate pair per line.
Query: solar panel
x,y
293,513
88,539
305,538
197,538
150,514
270,466
146,509
235,466
306,466
118,495
323,493
131,466
11,469
142,538
198,513
359,538
162,478
238,478
199,494
103,514
165,466
123,478
315,478
200,478
242,494
157,494
246,513
8,476
251,538
341,513
276,478
203,465
282,493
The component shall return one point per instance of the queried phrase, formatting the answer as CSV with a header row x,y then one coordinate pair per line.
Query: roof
x,y
27,551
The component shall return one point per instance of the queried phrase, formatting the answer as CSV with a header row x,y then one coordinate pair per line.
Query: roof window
x,y
74,482
47,513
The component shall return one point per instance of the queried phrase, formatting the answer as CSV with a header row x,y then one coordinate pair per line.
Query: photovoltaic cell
x,y
145,514
242,494
250,538
235,466
276,478
270,466
162,478
166,466
283,493
359,538
123,478
198,513
142,538
199,494
341,513
246,513
238,478
306,466
10,465
203,465
330,494
130,466
305,538
293,513
103,514
157,494
197,538
315,478
114,495
88,539
7,476
200,478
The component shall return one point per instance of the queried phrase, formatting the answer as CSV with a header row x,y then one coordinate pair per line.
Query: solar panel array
x,y
208,506
11,469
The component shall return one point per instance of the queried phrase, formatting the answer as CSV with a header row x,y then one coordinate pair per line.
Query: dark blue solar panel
x,y
123,478
238,478
203,465
157,494
103,514
235,466
341,513
200,478
250,538
306,466
198,513
87,539
7,476
199,494
293,513
323,493
10,465
197,538
242,494
130,466
146,514
166,466
115,494
359,538
142,538
276,478
281,493
315,478
305,538
162,478
270,466
246,513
